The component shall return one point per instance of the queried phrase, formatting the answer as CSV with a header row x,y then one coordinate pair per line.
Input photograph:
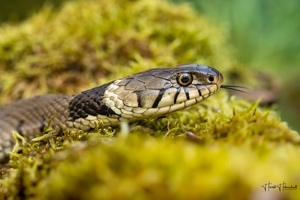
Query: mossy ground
x,y
85,43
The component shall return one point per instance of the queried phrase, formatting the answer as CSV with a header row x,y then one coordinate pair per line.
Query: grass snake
x,y
150,93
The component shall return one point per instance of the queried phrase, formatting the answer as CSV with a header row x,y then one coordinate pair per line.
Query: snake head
x,y
162,90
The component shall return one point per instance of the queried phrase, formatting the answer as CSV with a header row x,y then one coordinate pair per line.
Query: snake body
x,y
151,93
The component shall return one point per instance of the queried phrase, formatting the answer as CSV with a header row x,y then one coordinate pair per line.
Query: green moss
x,y
239,146
73,49
156,169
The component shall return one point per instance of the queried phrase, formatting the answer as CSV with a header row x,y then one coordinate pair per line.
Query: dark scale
x,y
159,97
90,102
43,124
19,127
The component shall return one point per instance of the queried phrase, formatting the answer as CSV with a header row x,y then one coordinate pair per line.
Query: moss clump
x,y
236,155
240,146
72,49
156,169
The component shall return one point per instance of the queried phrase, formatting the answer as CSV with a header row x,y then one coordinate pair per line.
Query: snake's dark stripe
x,y
146,94
199,90
159,97
186,90
139,98
176,95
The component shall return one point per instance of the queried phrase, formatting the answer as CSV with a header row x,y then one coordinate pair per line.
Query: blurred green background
x,y
264,34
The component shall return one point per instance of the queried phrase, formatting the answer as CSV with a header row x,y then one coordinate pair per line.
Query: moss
x,y
239,147
73,49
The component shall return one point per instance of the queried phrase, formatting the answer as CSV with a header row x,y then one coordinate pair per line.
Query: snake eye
x,y
184,79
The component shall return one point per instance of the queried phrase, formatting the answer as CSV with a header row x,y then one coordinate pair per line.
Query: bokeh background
x,y
263,34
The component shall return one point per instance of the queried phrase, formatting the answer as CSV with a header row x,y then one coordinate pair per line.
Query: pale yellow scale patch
x,y
108,102
139,110
206,96
108,96
113,120
115,98
163,110
82,121
204,91
177,107
138,115
127,116
112,87
128,108
76,124
78,120
91,118
69,124
212,89
119,103
150,111
168,98
198,99
190,102
85,127
116,110
181,97
85,122
126,112
102,118
92,125
193,92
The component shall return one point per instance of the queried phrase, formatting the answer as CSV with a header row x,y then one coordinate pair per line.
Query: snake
x,y
148,94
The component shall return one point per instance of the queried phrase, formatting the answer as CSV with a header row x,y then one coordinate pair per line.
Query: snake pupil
x,y
184,79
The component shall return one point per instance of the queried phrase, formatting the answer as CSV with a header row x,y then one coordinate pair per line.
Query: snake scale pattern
x,y
151,93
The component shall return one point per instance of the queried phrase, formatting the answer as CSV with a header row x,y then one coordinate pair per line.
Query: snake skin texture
x,y
151,93
29,117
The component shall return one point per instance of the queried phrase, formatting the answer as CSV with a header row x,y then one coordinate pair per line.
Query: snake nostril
x,y
211,78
